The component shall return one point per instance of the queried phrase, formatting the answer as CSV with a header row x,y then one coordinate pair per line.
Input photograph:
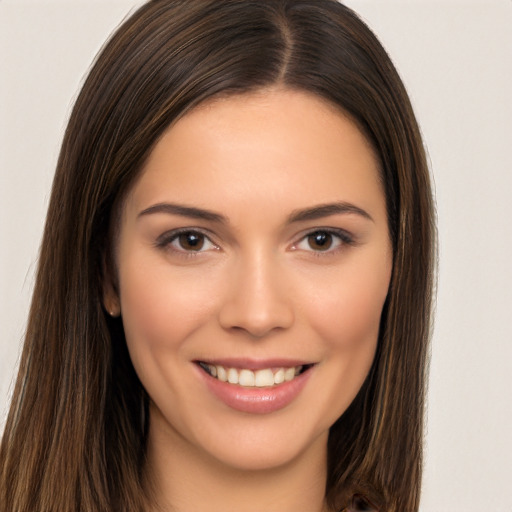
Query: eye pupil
x,y
191,241
320,241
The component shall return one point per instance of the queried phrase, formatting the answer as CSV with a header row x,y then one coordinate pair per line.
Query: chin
x,y
246,456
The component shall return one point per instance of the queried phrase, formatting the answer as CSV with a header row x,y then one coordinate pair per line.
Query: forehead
x,y
273,144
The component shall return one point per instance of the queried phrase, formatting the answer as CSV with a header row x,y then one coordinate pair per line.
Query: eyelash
x,y
166,241
344,239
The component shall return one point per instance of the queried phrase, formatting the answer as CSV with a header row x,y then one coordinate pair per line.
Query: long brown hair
x,y
76,432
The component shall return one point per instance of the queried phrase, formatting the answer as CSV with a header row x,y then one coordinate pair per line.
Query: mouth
x,y
255,386
247,378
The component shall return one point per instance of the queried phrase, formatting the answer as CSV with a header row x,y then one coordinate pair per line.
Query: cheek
x,y
346,320
347,312
160,308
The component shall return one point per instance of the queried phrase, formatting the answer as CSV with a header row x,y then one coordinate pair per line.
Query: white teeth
x,y
232,376
264,378
248,378
279,376
222,374
289,374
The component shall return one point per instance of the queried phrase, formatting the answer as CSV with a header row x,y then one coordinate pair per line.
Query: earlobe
x,y
111,300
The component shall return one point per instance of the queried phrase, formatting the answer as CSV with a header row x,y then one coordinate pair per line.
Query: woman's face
x,y
254,247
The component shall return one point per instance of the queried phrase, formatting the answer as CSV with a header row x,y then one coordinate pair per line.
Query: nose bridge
x,y
258,301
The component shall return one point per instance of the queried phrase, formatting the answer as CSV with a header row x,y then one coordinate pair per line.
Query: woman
x,y
233,295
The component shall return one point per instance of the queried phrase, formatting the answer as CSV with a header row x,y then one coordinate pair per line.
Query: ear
x,y
111,301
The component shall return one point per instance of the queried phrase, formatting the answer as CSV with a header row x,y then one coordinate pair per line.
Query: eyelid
x,y
344,237
165,240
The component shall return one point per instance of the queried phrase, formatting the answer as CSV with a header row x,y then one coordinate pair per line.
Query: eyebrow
x,y
312,213
184,211
325,210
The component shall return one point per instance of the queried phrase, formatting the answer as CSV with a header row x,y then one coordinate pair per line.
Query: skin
x,y
259,287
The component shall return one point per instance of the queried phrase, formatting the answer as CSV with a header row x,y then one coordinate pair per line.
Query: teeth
x,y
279,376
222,374
248,378
289,374
264,378
232,376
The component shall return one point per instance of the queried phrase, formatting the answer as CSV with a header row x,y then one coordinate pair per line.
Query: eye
x,y
323,240
187,241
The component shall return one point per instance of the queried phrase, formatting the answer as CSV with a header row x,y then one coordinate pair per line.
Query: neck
x,y
182,479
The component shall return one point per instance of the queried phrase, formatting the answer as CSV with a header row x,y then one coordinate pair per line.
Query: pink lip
x,y
256,400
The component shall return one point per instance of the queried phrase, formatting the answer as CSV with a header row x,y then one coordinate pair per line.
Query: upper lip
x,y
254,364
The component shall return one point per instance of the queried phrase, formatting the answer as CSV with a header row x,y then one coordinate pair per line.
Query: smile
x,y
266,377
255,387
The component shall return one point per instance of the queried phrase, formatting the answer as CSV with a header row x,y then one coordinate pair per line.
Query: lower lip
x,y
256,400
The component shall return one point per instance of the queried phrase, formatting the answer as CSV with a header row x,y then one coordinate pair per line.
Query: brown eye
x,y
324,240
320,240
185,242
191,241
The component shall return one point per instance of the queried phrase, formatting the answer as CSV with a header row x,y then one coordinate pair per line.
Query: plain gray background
x,y
456,60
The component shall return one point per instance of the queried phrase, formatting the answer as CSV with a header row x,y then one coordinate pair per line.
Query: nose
x,y
258,300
